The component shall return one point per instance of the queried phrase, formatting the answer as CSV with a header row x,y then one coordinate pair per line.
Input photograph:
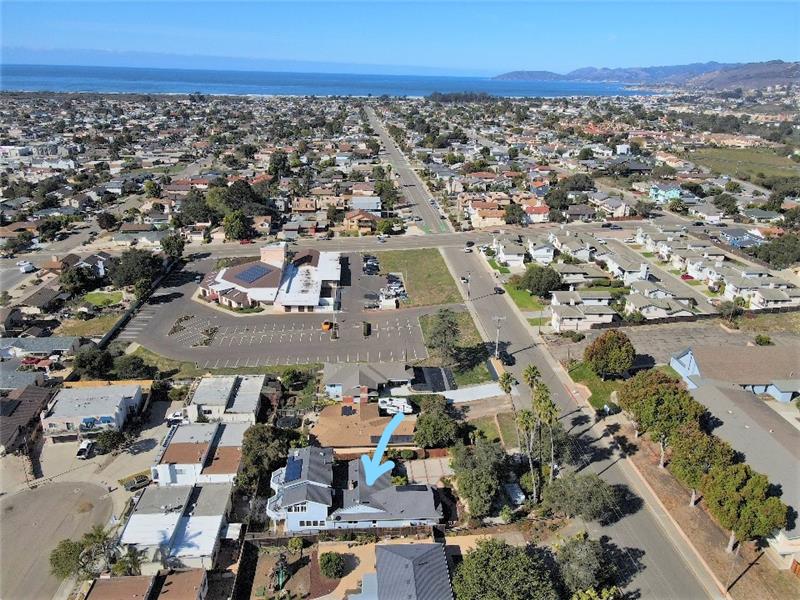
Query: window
x,y
207,411
69,426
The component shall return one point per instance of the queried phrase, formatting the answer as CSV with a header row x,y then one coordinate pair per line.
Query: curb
x,y
680,530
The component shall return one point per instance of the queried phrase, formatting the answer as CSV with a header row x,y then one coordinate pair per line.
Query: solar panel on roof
x,y
294,467
250,274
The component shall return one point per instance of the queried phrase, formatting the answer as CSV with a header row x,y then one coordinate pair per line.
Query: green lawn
x,y
497,267
539,321
508,430
524,299
601,390
181,369
92,328
487,427
648,254
669,371
426,276
103,298
676,272
471,349
693,281
741,161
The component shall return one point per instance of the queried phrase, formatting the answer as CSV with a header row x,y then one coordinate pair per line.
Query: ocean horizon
x,y
132,80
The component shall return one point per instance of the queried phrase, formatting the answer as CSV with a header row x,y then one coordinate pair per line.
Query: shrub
x,y
332,565
763,340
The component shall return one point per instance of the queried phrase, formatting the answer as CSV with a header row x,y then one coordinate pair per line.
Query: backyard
x,y
745,161
471,353
91,328
425,274
103,298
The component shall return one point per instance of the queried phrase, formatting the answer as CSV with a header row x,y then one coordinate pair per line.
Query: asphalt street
x,y
655,565
411,185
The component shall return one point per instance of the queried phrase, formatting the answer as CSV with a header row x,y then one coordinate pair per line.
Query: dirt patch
x,y
320,585
299,582
751,573
84,507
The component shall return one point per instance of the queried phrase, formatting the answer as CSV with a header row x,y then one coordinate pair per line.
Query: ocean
x,y
46,78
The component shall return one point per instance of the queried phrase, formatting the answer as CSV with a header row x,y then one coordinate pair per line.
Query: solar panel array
x,y
250,274
294,467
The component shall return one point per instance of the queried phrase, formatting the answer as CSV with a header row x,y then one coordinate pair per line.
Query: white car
x,y
85,449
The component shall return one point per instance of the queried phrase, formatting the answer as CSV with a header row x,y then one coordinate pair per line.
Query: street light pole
x,y
469,278
497,321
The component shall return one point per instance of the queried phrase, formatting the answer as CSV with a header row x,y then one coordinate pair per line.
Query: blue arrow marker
x,y
372,466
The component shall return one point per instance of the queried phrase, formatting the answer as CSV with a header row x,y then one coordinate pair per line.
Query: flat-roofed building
x,y
228,398
77,413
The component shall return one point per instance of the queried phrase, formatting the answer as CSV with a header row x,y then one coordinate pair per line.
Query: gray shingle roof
x,y
412,572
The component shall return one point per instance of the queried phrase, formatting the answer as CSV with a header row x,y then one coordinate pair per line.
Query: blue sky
x,y
383,36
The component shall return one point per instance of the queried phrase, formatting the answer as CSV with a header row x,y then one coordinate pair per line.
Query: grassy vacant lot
x,y
778,323
508,430
601,390
524,299
486,426
471,354
750,161
92,328
181,369
427,279
103,298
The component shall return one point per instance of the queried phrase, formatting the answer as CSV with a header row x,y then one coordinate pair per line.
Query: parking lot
x,y
174,325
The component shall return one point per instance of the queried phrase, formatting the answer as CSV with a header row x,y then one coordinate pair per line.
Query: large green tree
x,y
695,453
494,570
173,245
264,448
444,335
134,265
93,363
436,428
581,563
744,502
610,354
540,281
585,495
237,226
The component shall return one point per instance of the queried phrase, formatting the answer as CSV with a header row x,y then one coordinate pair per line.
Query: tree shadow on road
x,y
623,564
625,503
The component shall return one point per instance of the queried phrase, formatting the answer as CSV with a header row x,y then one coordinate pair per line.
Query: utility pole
x,y
497,321
469,278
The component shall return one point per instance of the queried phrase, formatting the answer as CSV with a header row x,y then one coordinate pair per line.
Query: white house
x,y
625,269
200,453
178,526
306,500
83,412
541,251
655,308
228,398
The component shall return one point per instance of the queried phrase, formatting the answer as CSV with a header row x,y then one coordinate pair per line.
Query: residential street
x,y
411,185
664,568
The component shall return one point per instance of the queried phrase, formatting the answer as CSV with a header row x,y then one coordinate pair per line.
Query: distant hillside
x,y
531,76
711,75
749,76
670,74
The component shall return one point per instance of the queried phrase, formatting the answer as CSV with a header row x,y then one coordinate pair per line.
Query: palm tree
x,y
99,544
129,563
506,383
548,414
527,423
530,375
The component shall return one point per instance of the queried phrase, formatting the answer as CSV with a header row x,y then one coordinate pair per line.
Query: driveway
x,y
34,521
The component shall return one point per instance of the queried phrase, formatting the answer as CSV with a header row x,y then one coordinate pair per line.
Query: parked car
x,y
137,483
686,277
85,449
506,359
499,290
467,249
